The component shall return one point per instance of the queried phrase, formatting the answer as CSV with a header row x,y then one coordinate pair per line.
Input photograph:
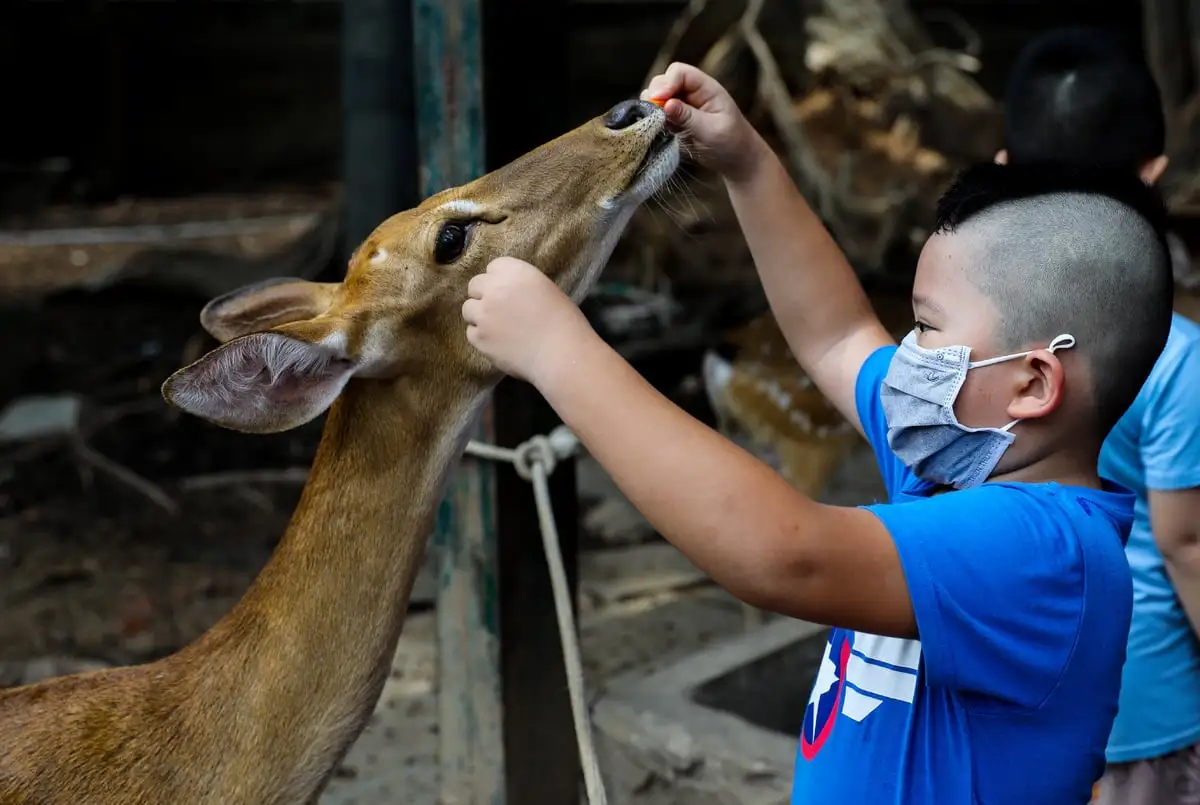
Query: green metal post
x,y
448,57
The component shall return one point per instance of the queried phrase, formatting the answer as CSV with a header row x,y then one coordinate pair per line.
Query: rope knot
x,y
537,450
544,450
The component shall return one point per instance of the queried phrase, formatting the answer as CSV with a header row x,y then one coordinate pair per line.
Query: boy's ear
x,y
263,382
263,305
1153,169
1001,157
1039,387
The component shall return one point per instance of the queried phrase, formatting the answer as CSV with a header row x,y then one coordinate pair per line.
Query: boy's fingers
x,y
660,87
475,286
678,112
691,82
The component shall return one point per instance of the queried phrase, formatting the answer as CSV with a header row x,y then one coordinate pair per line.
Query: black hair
x,y
1065,249
1083,96
986,184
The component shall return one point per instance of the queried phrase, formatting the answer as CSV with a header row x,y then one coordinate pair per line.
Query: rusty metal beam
x,y
505,720
379,152
540,754
448,74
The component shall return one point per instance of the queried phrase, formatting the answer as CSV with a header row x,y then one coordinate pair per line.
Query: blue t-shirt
x,y
1156,445
1022,597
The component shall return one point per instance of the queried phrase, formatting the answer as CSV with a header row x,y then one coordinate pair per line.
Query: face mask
x,y
918,403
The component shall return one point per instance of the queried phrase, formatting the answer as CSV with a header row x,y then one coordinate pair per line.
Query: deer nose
x,y
626,113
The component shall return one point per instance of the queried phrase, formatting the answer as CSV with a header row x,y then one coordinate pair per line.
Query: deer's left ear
x,y
266,304
263,382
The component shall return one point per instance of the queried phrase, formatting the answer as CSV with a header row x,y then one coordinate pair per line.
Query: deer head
x,y
291,346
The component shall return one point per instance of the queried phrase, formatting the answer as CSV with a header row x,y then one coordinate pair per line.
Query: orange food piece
x,y
659,101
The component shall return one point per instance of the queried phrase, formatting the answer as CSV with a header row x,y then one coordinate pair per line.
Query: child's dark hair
x,y
986,184
1065,249
1083,96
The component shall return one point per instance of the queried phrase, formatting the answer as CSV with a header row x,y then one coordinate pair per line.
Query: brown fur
x,y
262,707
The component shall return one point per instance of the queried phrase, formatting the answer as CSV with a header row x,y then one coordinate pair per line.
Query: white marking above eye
x,y
463,207
381,255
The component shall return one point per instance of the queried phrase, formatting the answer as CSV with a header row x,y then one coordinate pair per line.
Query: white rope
x,y
534,461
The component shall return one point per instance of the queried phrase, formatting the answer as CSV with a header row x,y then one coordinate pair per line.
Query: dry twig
x,y
123,474
90,459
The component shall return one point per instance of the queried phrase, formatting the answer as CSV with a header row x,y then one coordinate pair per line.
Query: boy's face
x,y
949,310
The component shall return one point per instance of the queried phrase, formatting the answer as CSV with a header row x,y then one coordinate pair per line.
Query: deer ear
x,y
263,305
262,382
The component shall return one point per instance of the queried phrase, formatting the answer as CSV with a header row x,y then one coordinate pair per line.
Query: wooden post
x,y
541,755
526,91
379,147
506,731
448,77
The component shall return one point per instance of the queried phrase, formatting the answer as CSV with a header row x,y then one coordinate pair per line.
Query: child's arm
x,y
1175,521
729,513
1170,452
817,300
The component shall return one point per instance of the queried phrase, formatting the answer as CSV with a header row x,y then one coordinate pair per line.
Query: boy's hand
x,y
708,117
521,320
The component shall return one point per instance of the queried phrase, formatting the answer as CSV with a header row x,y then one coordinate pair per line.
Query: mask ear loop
x,y
1063,341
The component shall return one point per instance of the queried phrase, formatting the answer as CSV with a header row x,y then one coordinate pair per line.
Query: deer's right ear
x,y
262,382
263,305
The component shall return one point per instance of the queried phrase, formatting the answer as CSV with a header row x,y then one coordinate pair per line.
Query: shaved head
x,y
1059,252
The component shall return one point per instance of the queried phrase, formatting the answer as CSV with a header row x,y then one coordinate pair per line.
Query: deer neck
x,y
307,650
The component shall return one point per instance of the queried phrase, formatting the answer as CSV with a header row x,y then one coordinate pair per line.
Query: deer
x,y
262,707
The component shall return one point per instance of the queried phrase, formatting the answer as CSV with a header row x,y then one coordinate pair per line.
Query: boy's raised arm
x,y
817,300
816,297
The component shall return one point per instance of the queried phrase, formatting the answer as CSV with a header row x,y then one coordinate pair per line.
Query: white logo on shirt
x,y
879,668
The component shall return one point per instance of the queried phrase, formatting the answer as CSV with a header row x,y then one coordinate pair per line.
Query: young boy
x,y
1040,307
1077,97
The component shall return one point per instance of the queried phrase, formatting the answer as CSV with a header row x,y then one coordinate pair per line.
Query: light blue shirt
x,y
1022,597
1156,445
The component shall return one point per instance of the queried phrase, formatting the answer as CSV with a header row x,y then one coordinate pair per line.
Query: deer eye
x,y
451,241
